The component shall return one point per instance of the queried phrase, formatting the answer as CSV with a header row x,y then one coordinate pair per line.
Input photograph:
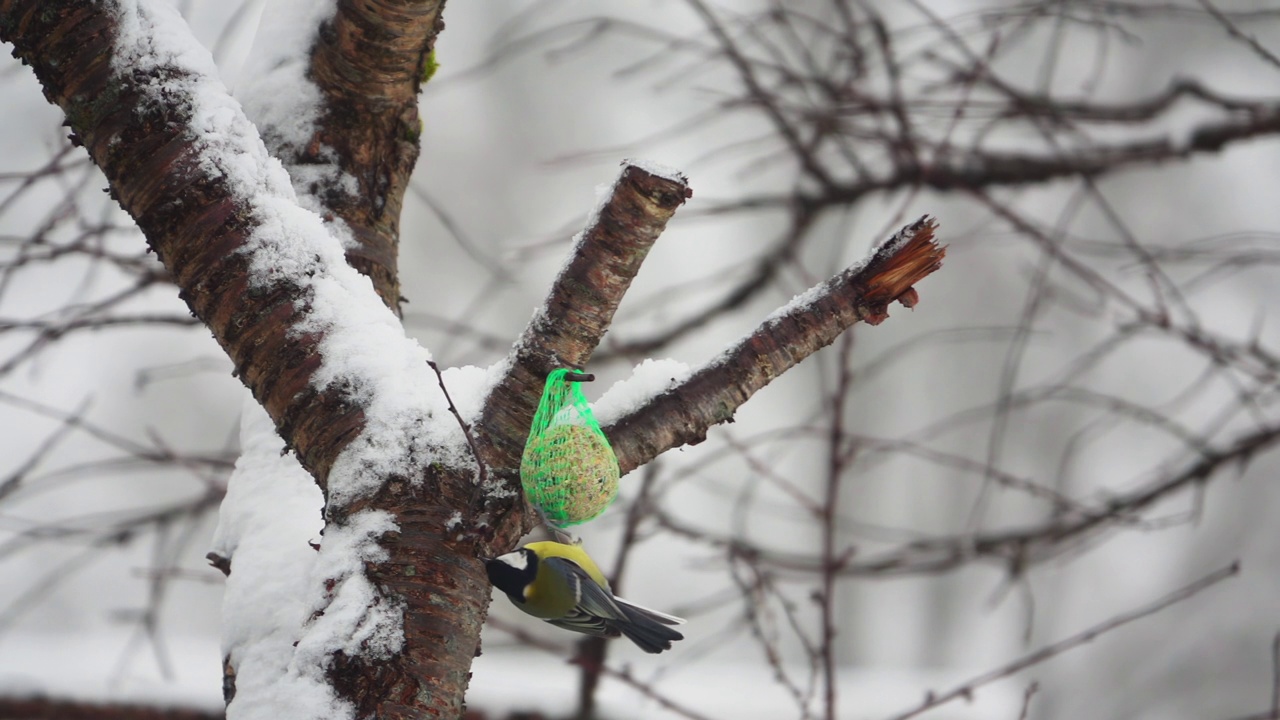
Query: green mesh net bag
x,y
568,470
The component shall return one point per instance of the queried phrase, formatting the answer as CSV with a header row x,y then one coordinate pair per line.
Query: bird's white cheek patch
x,y
516,560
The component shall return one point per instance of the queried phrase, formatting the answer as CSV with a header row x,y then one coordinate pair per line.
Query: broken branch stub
x,y
813,320
580,305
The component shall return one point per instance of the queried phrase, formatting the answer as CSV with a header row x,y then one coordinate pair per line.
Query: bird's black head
x,y
513,572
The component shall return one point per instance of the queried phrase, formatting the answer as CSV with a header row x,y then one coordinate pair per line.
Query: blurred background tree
x,y
1077,422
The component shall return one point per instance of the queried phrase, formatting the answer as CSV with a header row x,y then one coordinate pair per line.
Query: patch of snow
x,y
285,104
351,619
655,168
648,380
288,608
269,515
454,520
276,91
469,385
267,519
798,303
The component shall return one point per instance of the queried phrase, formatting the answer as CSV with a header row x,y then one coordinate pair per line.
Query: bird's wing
x,y
594,606
586,624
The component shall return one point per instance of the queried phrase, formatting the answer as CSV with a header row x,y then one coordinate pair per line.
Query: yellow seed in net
x,y
570,473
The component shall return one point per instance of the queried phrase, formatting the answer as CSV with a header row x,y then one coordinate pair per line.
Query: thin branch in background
x,y
53,168
148,376
969,687
622,675
91,316
147,619
760,97
862,293
757,589
458,329
491,265
13,480
1027,695
760,275
594,651
171,538
102,533
37,590
1234,31
1012,364
78,422
838,459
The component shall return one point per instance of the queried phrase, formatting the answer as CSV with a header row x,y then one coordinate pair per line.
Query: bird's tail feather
x,y
647,629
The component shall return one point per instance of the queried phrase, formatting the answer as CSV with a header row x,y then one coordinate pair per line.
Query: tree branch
x,y
1016,548
1024,546
580,306
994,169
682,415
367,62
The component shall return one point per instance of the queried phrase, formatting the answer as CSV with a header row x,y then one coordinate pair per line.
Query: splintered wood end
x,y
897,265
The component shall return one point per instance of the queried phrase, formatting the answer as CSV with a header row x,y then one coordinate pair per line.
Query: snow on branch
x,y
340,110
305,331
811,321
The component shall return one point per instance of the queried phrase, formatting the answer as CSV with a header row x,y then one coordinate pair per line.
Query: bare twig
x,y
483,474
622,675
593,651
1234,31
1027,695
967,689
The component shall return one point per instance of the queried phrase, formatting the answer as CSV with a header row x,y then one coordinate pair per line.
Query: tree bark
x,y
368,64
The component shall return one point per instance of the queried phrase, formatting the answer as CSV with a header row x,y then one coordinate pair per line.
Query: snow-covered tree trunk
x,y
264,257
272,284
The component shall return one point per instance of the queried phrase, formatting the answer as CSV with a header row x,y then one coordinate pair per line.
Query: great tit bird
x,y
561,584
